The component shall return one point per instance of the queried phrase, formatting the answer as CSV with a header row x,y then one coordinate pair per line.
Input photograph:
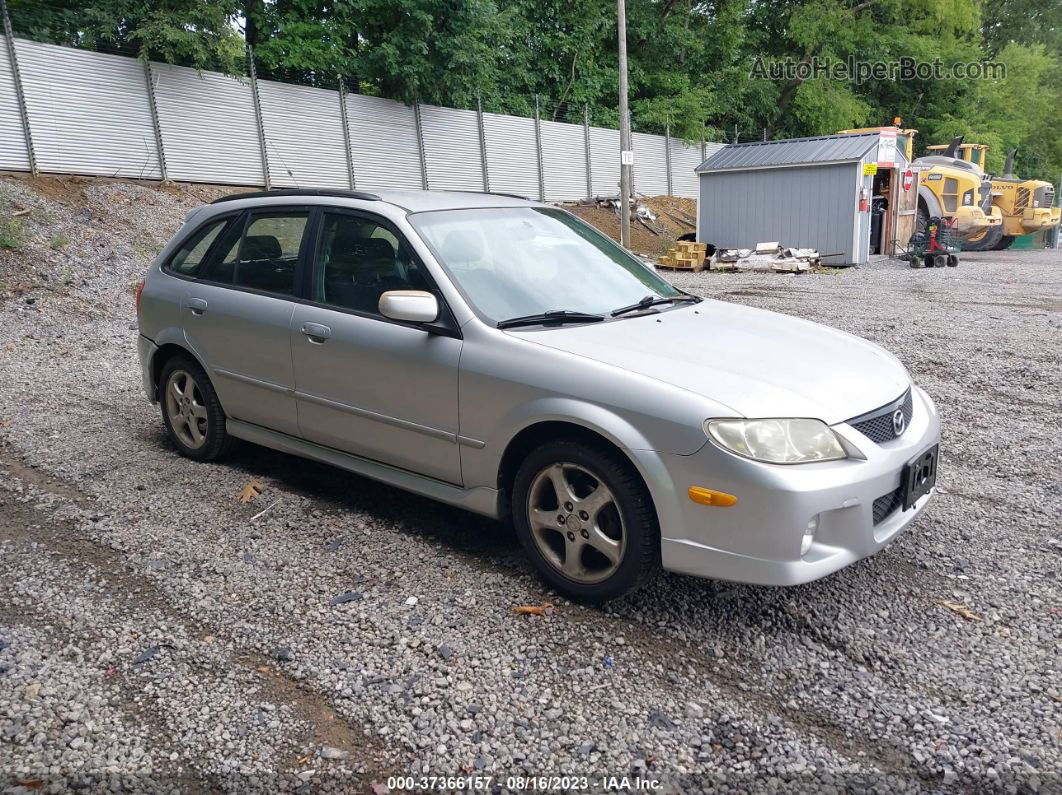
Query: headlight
x,y
777,441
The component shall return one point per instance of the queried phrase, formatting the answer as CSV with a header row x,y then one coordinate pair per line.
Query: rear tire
x,y
586,519
191,411
987,241
953,260
1004,242
916,262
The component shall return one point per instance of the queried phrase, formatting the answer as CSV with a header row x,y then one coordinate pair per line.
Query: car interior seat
x,y
262,266
359,270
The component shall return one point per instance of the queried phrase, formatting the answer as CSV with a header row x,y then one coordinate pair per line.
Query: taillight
x,y
139,292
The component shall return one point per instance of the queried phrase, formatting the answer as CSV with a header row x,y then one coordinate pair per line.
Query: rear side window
x,y
191,255
266,255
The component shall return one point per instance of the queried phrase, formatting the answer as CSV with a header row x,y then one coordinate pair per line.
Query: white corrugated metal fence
x,y
93,113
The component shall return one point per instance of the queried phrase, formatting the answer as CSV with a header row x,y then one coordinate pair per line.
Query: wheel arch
x,y
164,353
929,199
645,463
537,434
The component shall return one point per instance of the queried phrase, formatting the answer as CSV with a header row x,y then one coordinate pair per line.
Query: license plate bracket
x,y
919,476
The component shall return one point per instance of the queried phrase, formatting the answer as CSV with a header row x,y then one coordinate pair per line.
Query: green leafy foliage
x,y
690,60
192,32
12,235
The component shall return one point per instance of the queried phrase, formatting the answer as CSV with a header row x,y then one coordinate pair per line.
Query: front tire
x,y
1004,242
191,411
586,519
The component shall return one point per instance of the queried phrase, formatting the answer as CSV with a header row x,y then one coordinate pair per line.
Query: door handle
x,y
197,305
316,332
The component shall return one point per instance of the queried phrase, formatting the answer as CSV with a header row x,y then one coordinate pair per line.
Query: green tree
x,y
690,60
195,33
1014,112
870,30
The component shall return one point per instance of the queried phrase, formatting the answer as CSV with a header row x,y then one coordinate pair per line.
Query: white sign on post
x,y
887,147
627,157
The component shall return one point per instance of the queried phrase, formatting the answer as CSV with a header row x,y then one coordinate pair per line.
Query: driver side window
x,y
358,260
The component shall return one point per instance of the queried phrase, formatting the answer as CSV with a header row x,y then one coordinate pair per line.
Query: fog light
x,y
809,536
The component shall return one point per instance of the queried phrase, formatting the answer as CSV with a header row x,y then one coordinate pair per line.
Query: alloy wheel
x,y
185,409
576,523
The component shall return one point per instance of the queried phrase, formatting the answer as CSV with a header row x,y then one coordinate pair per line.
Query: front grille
x,y
877,425
1021,199
885,505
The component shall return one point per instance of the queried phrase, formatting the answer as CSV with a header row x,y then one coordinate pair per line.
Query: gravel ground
x,y
158,635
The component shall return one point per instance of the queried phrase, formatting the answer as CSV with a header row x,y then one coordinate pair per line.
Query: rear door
x,y
365,384
237,315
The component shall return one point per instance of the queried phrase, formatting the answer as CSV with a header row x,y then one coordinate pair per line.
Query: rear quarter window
x,y
194,250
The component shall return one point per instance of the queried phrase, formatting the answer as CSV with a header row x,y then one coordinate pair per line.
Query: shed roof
x,y
791,152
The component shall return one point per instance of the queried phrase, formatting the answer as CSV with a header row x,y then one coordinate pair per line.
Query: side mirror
x,y
411,306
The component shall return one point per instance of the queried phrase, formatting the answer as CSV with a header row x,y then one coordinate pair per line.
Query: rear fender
x,y
169,336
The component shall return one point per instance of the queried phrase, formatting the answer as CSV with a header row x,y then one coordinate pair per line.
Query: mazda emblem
x,y
899,422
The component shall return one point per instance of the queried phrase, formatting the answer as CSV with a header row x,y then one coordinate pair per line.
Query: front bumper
x,y
758,540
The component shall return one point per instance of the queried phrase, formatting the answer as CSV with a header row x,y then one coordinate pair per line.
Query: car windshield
x,y
512,262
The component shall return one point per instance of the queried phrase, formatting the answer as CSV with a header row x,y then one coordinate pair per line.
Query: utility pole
x,y
626,153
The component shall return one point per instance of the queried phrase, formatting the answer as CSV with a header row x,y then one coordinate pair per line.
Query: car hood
x,y
759,363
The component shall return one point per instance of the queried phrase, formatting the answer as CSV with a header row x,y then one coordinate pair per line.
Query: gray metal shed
x,y
802,192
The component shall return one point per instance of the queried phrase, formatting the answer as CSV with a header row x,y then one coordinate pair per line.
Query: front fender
x,y
650,463
604,421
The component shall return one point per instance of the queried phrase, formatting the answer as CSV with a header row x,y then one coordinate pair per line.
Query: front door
x,y
237,317
379,389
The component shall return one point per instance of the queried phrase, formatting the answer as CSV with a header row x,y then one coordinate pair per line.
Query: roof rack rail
x,y
288,192
494,193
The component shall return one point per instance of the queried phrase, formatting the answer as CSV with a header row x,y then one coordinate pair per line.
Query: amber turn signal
x,y
717,499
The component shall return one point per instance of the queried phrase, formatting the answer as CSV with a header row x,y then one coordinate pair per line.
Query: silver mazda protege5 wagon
x,y
500,355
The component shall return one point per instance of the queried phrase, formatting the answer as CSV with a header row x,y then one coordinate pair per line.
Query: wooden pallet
x,y
686,256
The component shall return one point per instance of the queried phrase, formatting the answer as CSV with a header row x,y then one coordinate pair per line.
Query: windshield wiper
x,y
551,317
654,300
